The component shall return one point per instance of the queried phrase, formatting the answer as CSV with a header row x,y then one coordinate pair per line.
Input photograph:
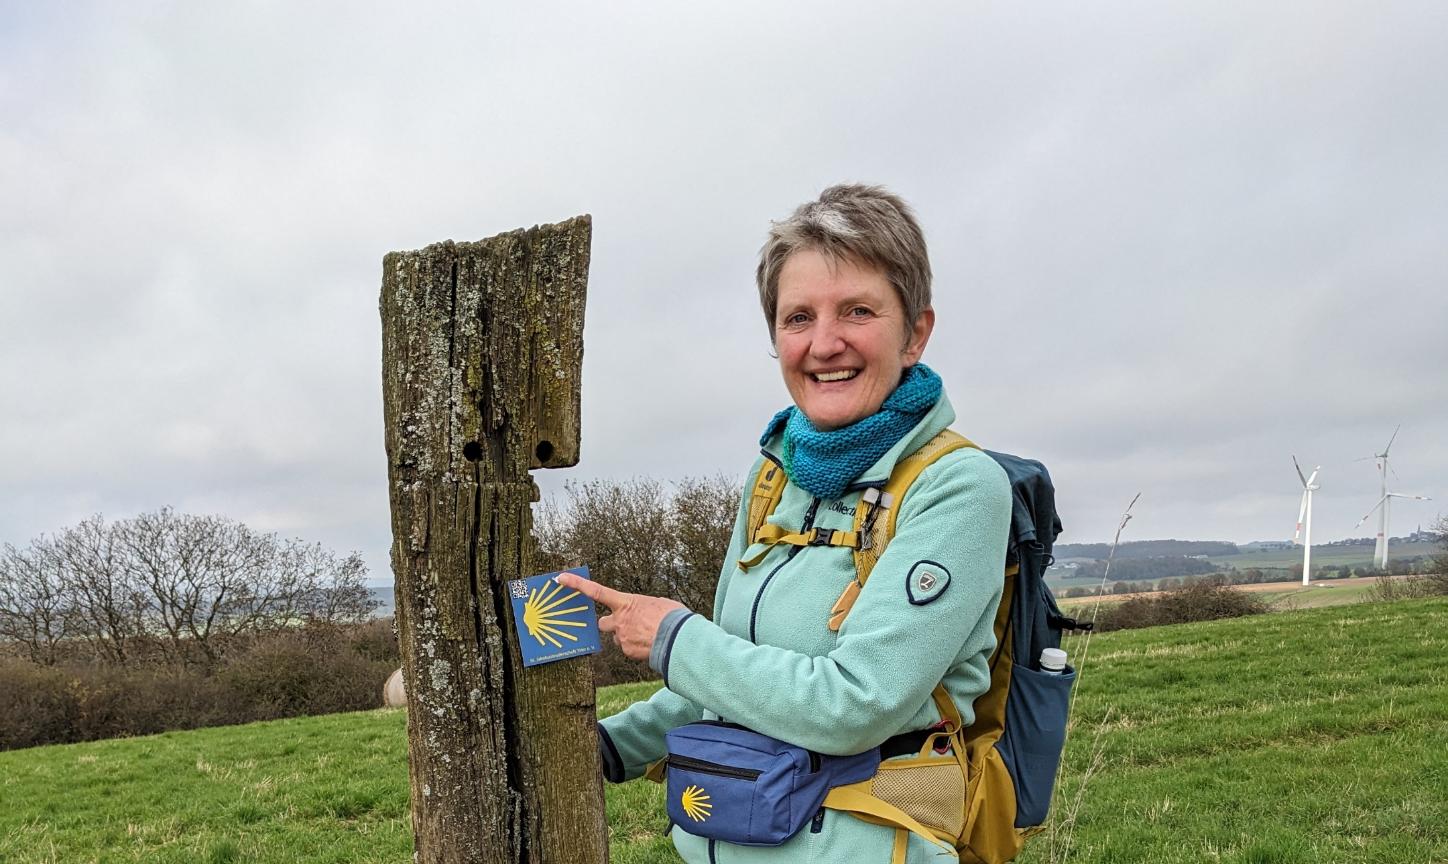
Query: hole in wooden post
x,y
544,451
472,451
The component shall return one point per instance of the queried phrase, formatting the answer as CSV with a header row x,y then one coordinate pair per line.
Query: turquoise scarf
x,y
825,463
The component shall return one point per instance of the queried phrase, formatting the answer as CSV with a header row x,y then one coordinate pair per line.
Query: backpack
x,y
1010,753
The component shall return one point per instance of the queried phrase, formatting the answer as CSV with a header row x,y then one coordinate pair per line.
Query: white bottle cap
x,y
1053,660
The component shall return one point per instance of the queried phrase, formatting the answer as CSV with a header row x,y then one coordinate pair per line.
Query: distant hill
x,y
1134,569
1146,549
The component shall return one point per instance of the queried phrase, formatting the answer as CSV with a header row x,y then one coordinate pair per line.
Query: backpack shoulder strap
x,y
875,533
768,488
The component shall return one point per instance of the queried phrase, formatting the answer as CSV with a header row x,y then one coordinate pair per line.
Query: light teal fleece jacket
x,y
769,661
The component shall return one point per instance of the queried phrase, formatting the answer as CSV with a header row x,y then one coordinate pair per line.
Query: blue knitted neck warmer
x,y
825,463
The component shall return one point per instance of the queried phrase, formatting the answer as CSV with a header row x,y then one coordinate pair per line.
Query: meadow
x,y
1279,596
1312,735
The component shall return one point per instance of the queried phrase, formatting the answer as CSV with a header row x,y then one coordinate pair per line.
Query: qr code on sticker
x,y
518,588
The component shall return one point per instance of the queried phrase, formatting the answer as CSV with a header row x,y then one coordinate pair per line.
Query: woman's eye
x,y
859,312
795,319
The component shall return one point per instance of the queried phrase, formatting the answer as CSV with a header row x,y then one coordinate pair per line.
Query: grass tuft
x,y
223,852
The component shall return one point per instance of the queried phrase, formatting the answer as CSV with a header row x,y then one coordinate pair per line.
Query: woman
x,y
845,287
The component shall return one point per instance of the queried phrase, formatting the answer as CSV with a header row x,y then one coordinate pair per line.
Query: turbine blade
x,y
1313,479
1392,439
1301,512
1299,472
1372,511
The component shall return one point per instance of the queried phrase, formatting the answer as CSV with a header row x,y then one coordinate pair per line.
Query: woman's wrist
x,y
664,640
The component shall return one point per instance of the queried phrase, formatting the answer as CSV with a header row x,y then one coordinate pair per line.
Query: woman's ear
x,y
919,335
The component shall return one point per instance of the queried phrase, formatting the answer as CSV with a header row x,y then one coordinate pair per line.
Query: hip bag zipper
x,y
687,764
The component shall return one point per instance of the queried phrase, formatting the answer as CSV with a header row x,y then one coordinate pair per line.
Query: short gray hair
x,y
866,225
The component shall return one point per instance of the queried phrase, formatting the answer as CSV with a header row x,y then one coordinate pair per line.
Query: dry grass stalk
x,y
1062,826
1061,831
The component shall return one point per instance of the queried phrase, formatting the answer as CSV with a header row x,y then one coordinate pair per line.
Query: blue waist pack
x,y
726,782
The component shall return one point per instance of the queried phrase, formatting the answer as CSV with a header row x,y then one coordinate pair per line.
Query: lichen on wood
x,y
482,359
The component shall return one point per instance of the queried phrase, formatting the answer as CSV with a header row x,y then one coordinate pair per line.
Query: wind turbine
x,y
1304,517
1380,554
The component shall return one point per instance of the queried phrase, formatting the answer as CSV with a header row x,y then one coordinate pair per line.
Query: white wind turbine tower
x,y
1380,554
1304,518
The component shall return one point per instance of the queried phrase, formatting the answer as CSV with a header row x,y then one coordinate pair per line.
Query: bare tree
x,y
340,595
107,608
638,538
702,515
182,586
208,580
33,610
1438,566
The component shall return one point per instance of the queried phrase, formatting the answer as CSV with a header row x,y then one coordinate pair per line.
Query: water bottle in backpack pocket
x,y
1035,732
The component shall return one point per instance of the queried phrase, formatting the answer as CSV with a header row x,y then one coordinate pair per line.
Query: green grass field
x,y
1315,735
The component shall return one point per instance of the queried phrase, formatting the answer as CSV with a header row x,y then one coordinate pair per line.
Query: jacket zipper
x,y
809,518
699,765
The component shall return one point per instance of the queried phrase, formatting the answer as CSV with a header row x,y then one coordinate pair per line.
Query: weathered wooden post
x,y
482,350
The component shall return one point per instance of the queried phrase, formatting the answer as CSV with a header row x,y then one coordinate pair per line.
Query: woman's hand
x,y
633,619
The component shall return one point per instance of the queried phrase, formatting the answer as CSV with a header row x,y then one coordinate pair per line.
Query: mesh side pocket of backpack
x,y
1035,733
931,791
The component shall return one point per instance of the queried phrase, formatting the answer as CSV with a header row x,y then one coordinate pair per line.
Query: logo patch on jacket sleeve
x,y
926,581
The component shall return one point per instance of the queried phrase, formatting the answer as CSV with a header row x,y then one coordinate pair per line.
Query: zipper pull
x,y
877,501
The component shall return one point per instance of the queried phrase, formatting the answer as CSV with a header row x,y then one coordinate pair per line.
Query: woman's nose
x,y
826,341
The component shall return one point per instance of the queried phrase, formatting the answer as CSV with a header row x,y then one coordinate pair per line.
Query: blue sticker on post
x,y
554,622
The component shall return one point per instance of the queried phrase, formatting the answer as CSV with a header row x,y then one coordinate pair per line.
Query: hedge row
x,y
318,669
1196,602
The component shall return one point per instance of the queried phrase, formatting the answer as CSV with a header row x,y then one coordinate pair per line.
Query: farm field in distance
x,y
1281,596
1336,556
1060,578
1313,735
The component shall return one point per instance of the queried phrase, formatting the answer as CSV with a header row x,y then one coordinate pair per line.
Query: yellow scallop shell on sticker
x,y
543,618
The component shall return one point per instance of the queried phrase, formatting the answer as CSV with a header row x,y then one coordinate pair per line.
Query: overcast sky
x,y
1173,243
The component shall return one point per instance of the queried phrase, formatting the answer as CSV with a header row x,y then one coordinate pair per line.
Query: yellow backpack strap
x,y
857,798
768,488
946,706
874,532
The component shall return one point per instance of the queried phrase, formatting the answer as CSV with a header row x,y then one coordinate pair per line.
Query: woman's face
x,y
841,337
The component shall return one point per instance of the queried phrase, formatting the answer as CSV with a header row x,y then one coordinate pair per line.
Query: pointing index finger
x,y
590,589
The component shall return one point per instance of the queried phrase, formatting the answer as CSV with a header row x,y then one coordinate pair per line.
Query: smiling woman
x,y
820,678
